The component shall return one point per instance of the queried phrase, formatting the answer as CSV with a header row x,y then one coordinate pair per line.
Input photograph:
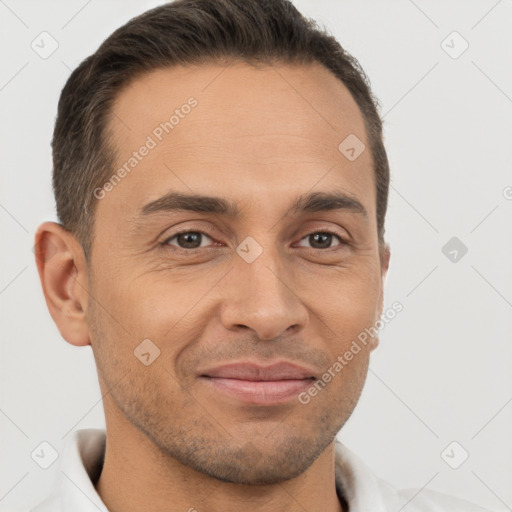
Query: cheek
x,y
150,304
347,301
169,313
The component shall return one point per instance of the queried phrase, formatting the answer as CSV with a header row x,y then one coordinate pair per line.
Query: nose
x,y
260,296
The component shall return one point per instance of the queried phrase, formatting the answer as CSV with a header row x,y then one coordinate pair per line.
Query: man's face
x,y
260,139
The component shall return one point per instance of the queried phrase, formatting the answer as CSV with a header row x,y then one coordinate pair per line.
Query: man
x,y
221,185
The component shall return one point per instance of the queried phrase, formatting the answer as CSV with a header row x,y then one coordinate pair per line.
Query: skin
x,y
172,441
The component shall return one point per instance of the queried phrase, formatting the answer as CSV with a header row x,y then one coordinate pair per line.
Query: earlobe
x,y
374,341
385,255
63,274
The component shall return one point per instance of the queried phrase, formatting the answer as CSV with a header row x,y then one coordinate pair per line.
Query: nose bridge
x,y
260,295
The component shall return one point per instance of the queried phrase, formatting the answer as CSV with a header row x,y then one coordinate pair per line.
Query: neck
x,y
137,476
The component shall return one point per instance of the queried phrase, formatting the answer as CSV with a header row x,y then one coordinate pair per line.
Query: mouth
x,y
259,385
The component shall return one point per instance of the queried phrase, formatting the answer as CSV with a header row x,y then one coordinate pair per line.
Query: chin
x,y
251,464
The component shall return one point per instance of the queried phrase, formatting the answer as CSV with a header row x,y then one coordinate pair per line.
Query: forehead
x,y
242,130
299,100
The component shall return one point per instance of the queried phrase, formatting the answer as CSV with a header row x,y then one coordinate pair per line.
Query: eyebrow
x,y
307,203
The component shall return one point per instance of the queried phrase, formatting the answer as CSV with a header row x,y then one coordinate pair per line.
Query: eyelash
x,y
165,243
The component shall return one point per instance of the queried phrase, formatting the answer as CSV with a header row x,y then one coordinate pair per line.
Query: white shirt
x,y
82,461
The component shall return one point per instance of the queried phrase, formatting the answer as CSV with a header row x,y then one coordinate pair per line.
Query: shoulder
x,y
50,504
424,500
433,501
365,491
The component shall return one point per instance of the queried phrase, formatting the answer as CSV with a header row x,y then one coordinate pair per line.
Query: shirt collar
x,y
81,465
82,460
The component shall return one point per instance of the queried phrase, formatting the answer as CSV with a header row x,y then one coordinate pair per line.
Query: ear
x,y
385,255
62,269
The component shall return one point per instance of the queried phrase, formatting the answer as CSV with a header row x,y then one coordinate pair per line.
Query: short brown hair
x,y
178,33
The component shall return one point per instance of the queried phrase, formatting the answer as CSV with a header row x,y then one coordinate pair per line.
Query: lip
x,y
257,384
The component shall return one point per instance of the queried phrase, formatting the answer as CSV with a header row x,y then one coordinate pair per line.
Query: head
x,y
221,184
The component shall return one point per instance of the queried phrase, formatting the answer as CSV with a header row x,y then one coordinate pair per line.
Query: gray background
x,y
442,371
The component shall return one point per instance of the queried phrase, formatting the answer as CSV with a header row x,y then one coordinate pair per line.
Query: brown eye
x,y
323,240
187,240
